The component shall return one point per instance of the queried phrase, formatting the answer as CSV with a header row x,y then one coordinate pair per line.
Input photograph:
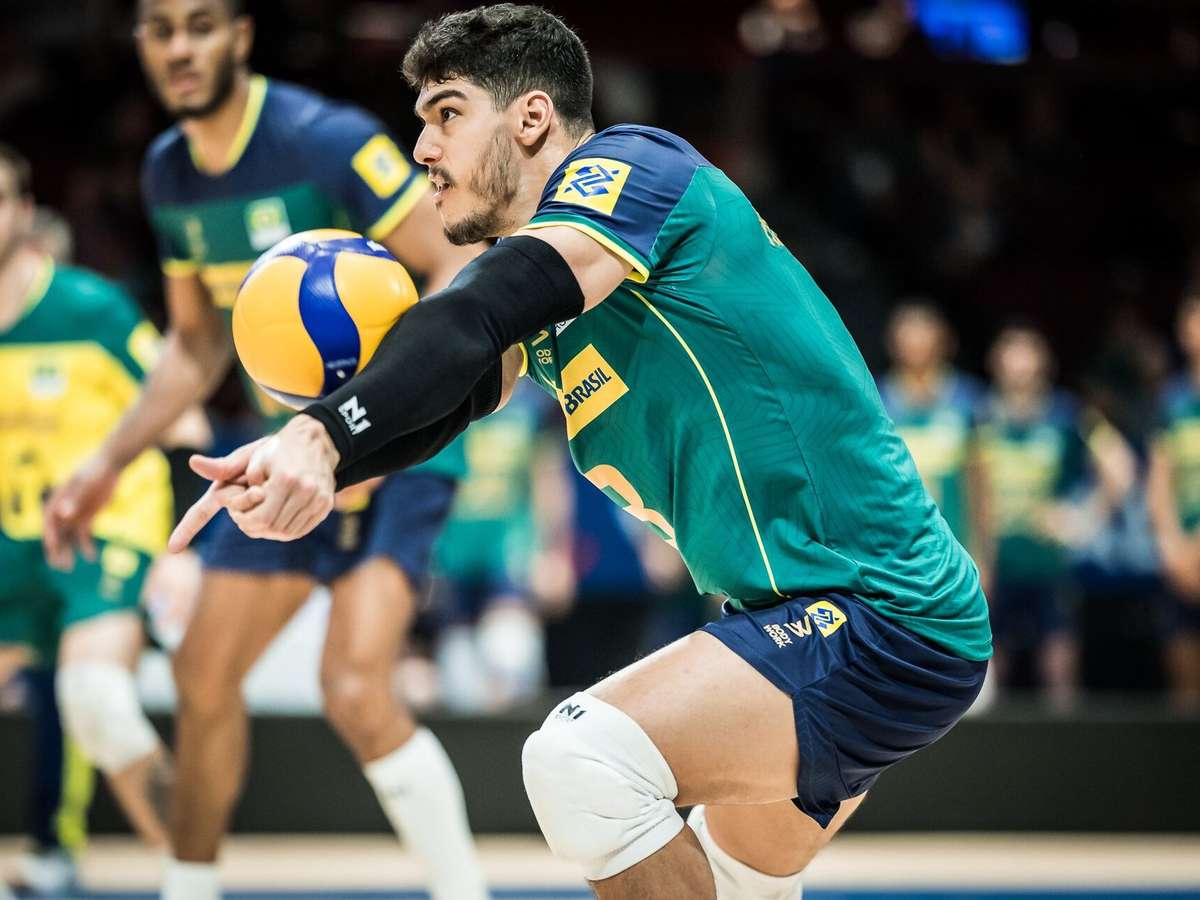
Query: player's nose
x,y
425,151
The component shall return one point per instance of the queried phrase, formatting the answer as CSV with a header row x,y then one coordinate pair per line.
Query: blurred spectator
x,y
489,643
1175,508
1055,473
935,408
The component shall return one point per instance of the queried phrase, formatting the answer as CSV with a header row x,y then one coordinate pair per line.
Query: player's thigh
x,y
726,732
372,608
237,616
774,838
115,637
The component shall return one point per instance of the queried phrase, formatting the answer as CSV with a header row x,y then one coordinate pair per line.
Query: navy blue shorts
x,y
401,522
866,693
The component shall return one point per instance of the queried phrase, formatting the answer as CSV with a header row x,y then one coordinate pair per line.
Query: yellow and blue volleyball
x,y
312,311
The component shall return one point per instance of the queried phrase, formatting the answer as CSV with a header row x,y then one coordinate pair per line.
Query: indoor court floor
x,y
854,867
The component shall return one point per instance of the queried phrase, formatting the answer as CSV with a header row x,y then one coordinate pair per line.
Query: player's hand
x,y
72,508
279,488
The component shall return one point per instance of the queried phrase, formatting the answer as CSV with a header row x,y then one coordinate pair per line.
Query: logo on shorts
x,y
822,615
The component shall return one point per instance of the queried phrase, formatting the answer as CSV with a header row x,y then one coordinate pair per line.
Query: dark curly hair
x,y
507,50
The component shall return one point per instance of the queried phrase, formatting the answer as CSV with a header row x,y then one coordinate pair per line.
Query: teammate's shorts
x,y
866,693
1182,615
459,601
1024,615
37,603
401,522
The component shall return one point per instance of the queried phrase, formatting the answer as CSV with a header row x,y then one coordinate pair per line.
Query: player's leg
x,y
805,700
97,696
373,606
236,617
100,638
761,852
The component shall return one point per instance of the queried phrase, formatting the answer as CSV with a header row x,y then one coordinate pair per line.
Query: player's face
x,y
16,215
472,158
1021,362
918,341
191,51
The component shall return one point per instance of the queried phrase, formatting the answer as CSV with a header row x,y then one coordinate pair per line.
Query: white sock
x,y
191,881
737,881
420,792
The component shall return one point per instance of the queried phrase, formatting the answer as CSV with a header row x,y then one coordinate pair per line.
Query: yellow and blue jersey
x,y
300,161
940,435
70,366
717,396
1180,429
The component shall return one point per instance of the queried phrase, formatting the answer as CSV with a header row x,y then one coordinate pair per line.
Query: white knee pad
x,y
736,880
602,793
100,711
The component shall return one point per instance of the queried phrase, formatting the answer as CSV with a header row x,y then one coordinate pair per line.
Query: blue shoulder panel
x,y
621,186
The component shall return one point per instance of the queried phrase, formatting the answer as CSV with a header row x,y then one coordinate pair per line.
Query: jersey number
x,y
611,482
21,504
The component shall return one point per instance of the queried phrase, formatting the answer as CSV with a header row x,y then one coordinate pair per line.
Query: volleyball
x,y
312,311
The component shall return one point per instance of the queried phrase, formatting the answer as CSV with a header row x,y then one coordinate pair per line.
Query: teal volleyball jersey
x,y
1030,464
717,396
299,161
1181,434
940,435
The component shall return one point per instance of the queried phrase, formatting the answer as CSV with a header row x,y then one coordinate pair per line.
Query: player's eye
x,y
201,27
447,113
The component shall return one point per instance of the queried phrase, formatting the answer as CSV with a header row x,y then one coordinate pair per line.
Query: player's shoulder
x,y
162,165
651,152
1177,395
87,295
315,118
1065,409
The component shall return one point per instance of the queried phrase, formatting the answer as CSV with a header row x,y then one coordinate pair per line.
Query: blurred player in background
x,y
711,390
936,410
251,162
489,646
1050,468
1174,494
74,350
61,782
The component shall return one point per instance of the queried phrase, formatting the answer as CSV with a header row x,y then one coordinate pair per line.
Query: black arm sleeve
x,y
430,362
417,446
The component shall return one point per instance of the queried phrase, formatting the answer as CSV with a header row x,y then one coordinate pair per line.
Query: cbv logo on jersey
x,y
822,615
267,222
589,386
595,183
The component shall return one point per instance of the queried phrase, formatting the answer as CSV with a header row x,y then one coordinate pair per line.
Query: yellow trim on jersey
x,y
399,210
179,268
254,103
737,469
639,274
40,284
524,370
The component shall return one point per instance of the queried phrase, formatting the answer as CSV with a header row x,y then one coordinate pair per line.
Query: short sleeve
x,y
170,238
622,188
363,170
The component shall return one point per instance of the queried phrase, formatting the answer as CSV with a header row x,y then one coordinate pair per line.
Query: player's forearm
x,y
434,358
189,369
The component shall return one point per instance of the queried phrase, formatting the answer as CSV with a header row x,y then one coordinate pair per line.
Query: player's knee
x,y
602,792
354,698
100,711
203,691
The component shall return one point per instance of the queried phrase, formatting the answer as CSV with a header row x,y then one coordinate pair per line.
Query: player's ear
x,y
243,38
535,110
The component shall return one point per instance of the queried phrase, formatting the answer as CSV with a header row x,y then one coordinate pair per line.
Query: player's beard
x,y
222,90
496,182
